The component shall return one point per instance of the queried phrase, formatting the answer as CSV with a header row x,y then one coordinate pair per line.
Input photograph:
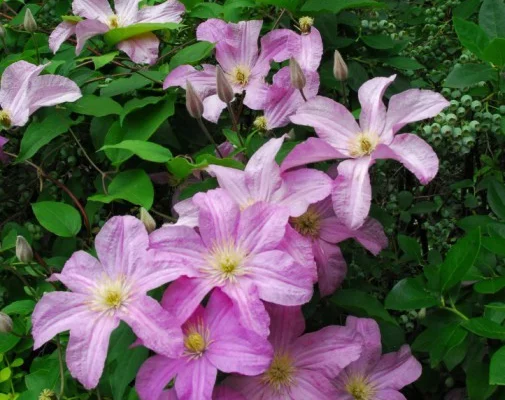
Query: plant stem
x,y
303,95
209,136
62,373
344,94
454,310
36,48
278,19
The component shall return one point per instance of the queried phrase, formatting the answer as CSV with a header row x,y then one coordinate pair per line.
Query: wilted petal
x,y
49,90
233,181
196,379
92,9
87,29
61,33
414,153
142,49
286,324
169,11
331,267
154,375
311,151
127,10
212,108
80,272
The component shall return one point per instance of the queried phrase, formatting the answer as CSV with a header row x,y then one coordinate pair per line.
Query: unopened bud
x,y
29,22
224,88
193,102
422,313
340,70
5,323
298,80
305,24
24,251
147,220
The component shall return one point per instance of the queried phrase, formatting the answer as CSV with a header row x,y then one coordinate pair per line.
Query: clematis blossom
x,y
220,393
23,91
102,294
238,55
214,340
374,138
304,364
306,47
100,18
324,230
235,250
375,376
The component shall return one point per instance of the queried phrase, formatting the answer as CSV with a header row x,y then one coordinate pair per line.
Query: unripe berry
x,y
466,100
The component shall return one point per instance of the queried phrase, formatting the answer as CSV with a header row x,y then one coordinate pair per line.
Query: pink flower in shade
x,y
304,365
324,230
104,293
23,91
100,18
236,251
220,393
3,156
375,376
238,55
214,340
374,138
307,49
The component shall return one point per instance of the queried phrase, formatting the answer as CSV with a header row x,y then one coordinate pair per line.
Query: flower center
x,y
240,75
359,387
226,262
5,119
196,340
111,294
260,123
47,394
307,224
363,144
114,21
280,373
305,24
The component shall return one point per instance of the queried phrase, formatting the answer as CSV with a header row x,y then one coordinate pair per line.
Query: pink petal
x,y
80,272
274,47
87,349
311,151
233,181
352,193
58,312
414,153
169,394
373,111
204,81
286,324
307,49
61,33
142,49
312,385
154,375
49,90
256,93
169,11
92,9
225,393
127,10
252,387
187,212
156,327
212,108
369,331
246,34
196,379
300,249
87,29
331,267
389,395
214,30
332,121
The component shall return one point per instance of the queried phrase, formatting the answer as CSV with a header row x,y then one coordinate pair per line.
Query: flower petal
x,y
246,35
61,33
331,267
256,93
414,153
187,212
233,181
274,47
212,108
369,331
204,81
389,395
142,49
87,29
49,90
92,9
127,11
252,387
168,11
225,393
352,193
307,49
196,379
154,375
311,151
300,248
80,272
214,30
286,324
312,385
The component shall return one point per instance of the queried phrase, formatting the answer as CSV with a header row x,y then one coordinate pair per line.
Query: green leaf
x,y
489,286
117,35
8,341
496,198
58,218
471,36
447,338
405,199
477,381
486,328
133,186
145,150
21,307
410,247
5,374
403,63
128,364
423,207
381,42
464,75
96,106
100,61
39,134
182,167
71,18
495,52
138,103
466,9
136,81
335,6
492,18
192,54
496,375
410,294
495,245
202,186
291,5
207,10
460,258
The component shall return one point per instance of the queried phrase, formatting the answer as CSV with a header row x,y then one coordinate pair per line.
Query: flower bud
x,y
24,251
224,88
305,24
298,80
147,220
193,102
340,70
422,313
5,323
29,22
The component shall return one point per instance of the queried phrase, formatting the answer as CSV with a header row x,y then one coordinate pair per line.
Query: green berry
x,y
476,106
466,100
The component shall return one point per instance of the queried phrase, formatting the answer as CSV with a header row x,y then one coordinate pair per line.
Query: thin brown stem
x,y
209,136
278,19
303,95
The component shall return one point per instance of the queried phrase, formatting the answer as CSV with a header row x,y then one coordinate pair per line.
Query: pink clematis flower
x,y
324,230
236,251
374,138
214,340
220,393
23,91
238,55
375,376
100,18
104,293
303,365
306,47
3,156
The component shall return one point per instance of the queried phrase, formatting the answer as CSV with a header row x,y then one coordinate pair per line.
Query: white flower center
x,y
196,340
261,123
5,119
280,373
113,21
111,294
226,262
360,388
363,144
240,75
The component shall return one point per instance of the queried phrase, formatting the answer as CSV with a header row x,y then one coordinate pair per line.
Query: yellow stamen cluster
x,y
240,75
305,24
359,387
196,340
280,374
308,224
47,394
5,119
111,294
226,262
363,144
260,123
114,21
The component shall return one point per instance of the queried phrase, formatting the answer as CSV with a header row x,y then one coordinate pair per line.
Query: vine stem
x,y
62,373
209,136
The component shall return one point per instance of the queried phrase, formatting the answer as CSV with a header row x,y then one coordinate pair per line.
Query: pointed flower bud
x,y
305,24
224,88
193,102
298,80
340,70
147,220
24,251
5,323
29,22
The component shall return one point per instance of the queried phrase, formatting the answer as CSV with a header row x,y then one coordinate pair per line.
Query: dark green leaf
x,y
21,307
117,35
492,18
464,75
191,54
336,6
362,303
403,63
491,285
291,5
95,106
138,103
58,218
495,52
410,294
466,8
380,42
145,150
477,381
411,247
497,367
448,338
471,36
496,198
136,81
486,328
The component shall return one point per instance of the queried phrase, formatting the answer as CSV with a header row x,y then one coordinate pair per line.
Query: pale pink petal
x,y
311,151
373,111
168,11
127,11
187,212
331,266
92,9
196,379
80,272
369,331
251,387
214,30
352,193
246,34
300,248
274,47
307,49
212,108
414,153
58,312
204,81
142,49
233,181
256,93
156,327
87,29
169,394
61,33
331,120
49,90
225,393
312,385
87,349
389,395
154,375
286,324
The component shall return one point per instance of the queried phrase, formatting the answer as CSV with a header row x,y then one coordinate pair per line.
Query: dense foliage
x,y
112,136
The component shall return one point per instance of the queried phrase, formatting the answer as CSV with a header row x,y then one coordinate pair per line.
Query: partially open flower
x,y
5,323
29,22
24,251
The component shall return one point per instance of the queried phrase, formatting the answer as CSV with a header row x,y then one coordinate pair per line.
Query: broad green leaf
x,y
496,198
466,9
486,328
136,81
477,381
489,286
207,10
492,18
191,54
21,307
5,374
464,75
411,247
403,63
134,186
495,245
497,368
471,36
136,104
410,294
96,106
423,207
203,186
495,52
58,218
146,150
336,6
117,35
380,42
181,167
100,61
291,5
8,341
448,338
71,18
405,199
